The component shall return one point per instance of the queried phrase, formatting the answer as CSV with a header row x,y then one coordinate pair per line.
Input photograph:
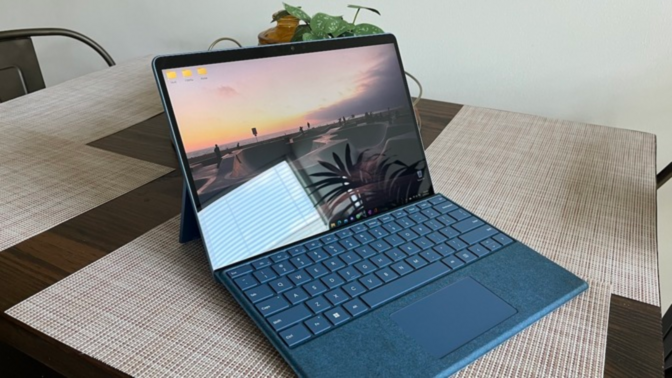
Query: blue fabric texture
x,y
375,346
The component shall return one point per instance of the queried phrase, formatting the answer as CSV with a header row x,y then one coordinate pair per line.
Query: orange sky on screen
x,y
272,95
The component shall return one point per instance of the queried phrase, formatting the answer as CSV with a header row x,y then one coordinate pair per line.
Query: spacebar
x,y
404,284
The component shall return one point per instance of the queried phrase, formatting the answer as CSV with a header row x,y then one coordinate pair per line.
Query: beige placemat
x,y
86,108
47,172
152,309
583,195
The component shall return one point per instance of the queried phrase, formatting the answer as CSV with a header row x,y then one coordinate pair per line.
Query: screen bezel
x,y
165,62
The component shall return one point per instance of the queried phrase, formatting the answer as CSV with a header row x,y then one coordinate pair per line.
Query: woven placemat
x,y
47,172
582,195
152,309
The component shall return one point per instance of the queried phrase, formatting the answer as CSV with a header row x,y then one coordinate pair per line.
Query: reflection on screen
x,y
288,147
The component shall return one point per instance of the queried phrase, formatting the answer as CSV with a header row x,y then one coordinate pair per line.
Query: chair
x,y
20,72
661,179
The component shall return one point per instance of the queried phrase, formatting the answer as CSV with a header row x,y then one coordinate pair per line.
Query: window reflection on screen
x,y
288,147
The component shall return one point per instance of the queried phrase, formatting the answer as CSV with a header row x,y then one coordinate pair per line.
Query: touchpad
x,y
451,317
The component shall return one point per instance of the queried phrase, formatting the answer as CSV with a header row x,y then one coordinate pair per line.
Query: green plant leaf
x,y
299,32
343,28
297,12
367,8
367,29
279,14
326,24
309,36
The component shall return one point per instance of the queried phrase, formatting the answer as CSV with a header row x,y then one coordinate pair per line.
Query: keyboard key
x,y
460,214
350,257
349,273
332,280
336,296
453,262
334,264
418,217
296,295
240,270
379,232
481,233
437,200
449,232
405,222
370,281
373,223
333,249
395,254
447,220
399,214
280,256
318,304
365,251
313,244
295,335
318,270
381,260
355,307
259,293
337,315
281,284
265,275
443,249
416,262
380,246
301,261
502,239
261,263
408,235
283,268
349,243
297,250
289,317
430,213
317,324
478,250
345,233
467,224
445,207
430,255
314,288
386,218
353,289
423,243
410,249
421,229
358,228
491,245
412,209
329,239
401,268
456,244
394,240
423,205
466,256
245,282
318,255
300,277
365,266
392,227
272,305
386,274
364,238
433,224
404,284
436,237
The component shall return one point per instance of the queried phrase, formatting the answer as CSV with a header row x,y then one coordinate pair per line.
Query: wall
x,y
604,62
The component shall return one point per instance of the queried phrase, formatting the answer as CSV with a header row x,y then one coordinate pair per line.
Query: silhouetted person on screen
x,y
218,153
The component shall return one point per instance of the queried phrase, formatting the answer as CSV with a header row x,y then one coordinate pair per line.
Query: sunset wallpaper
x,y
339,121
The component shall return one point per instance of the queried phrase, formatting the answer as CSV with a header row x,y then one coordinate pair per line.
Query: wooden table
x,y
634,344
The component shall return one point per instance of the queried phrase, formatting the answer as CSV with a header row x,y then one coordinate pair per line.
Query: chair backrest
x,y
19,68
667,340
